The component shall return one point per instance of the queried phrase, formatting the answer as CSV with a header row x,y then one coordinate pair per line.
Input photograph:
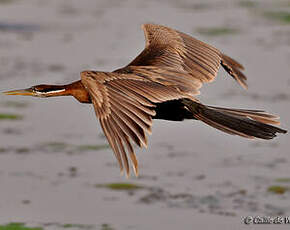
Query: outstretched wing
x,y
124,104
166,47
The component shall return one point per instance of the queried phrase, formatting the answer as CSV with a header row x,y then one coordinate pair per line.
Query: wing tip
x,y
127,174
143,26
136,170
244,85
146,25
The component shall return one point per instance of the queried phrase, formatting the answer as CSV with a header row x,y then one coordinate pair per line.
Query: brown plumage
x,y
160,83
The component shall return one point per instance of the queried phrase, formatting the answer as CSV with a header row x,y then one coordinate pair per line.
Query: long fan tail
x,y
245,123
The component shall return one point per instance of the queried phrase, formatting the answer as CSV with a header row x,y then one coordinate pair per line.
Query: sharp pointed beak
x,y
23,92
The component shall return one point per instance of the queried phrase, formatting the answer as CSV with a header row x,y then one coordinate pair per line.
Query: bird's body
x,y
161,83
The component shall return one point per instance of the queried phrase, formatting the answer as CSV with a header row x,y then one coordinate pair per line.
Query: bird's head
x,y
75,89
39,91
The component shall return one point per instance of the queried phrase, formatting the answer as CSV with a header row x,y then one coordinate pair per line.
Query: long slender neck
x,y
75,89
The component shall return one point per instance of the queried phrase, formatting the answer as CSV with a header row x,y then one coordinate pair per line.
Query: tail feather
x,y
233,68
245,123
220,127
258,115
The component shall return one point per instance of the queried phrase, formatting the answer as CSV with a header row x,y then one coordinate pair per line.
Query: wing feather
x,y
127,95
133,113
124,104
169,48
166,47
108,132
128,144
117,137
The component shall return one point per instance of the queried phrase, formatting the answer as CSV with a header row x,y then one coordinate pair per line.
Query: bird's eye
x,y
33,88
37,89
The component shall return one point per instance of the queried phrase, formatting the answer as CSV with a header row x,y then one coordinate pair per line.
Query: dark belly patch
x,y
172,111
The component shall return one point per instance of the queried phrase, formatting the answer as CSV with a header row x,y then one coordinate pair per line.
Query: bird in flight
x,y
162,82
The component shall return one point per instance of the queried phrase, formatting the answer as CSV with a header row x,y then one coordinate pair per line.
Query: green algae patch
x,y
6,1
248,4
93,147
3,150
217,31
71,148
78,226
283,180
106,227
70,225
281,16
55,146
120,186
10,116
22,150
278,189
18,226
14,104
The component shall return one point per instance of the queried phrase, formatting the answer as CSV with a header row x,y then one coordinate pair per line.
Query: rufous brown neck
x,y
75,89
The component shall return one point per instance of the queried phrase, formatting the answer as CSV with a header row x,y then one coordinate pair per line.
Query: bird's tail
x,y
234,69
245,123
